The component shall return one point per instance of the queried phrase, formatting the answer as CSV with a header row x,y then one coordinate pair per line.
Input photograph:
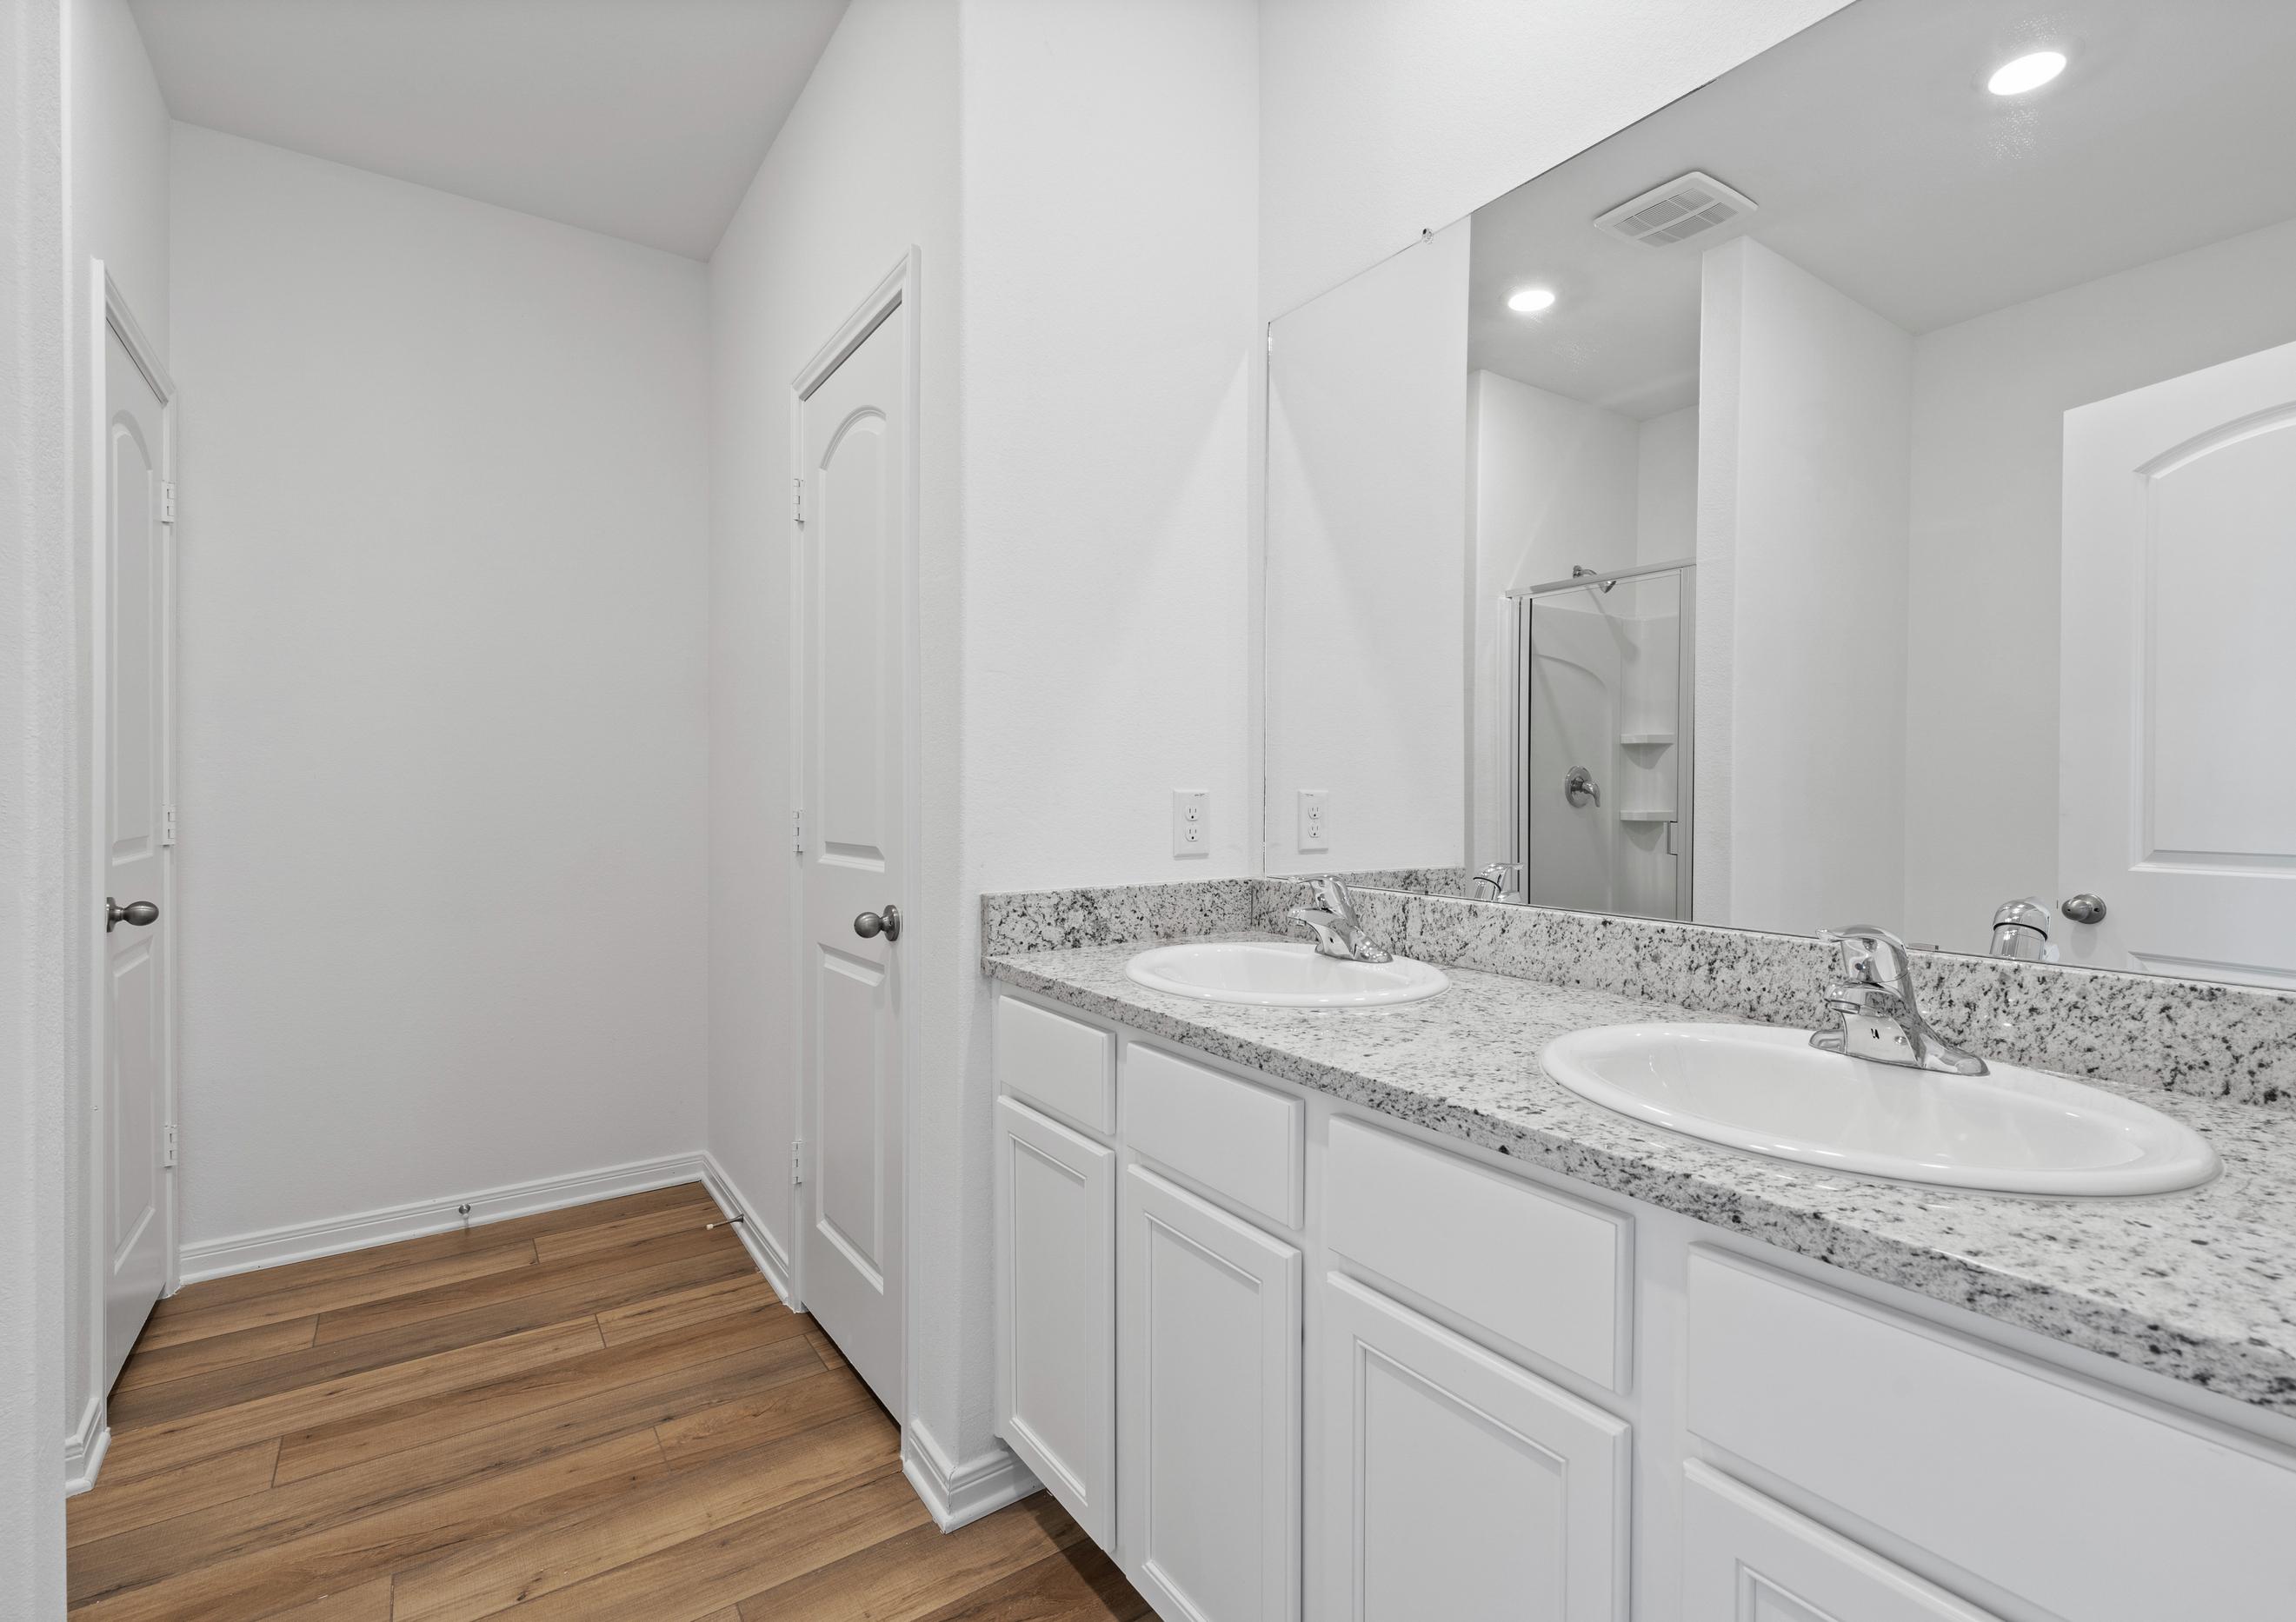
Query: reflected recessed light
x,y
1530,300
2026,73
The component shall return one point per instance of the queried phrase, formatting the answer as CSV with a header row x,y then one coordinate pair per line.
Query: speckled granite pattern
x,y
2182,1037
1039,920
2200,1286
1416,881
2186,1036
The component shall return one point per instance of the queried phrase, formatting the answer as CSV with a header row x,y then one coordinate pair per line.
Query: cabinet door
x,y
1056,1311
1210,1366
1454,1484
1745,1559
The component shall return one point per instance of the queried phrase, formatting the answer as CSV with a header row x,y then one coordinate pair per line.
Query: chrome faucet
x,y
2021,930
1496,876
1874,998
1339,932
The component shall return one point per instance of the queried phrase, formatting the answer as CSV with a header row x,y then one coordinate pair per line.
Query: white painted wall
x,y
1379,121
116,159
1086,652
44,945
1989,399
1555,485
1368,576
119,134
1110,342
1804,429
864,170
1666,487
444,632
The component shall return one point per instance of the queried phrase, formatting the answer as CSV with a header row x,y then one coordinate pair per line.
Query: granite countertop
x,y
2199,1286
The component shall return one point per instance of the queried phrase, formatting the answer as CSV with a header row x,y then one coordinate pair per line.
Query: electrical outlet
x,y
1192,823
1314,819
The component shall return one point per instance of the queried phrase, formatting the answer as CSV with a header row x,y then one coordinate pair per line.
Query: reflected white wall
x,y
1554,482
1367,576
1806,410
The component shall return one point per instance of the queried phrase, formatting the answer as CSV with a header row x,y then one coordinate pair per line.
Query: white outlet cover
x,y
1315,819
1192,823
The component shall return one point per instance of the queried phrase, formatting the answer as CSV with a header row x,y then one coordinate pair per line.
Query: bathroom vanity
x,y
1357,1314
1839,495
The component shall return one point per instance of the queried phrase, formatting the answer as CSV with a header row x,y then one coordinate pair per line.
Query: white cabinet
x,y
1056,1306
1745,1559
1983,1460
1543,1273
1208,1333
1241,1142
1495,1360
1456,1484
1061,1066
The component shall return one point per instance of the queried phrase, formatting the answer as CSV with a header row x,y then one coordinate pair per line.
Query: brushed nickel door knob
x,y
137,912
887,924
2083,908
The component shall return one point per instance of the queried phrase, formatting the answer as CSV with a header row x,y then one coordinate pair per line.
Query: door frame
x,y
113,315
898,291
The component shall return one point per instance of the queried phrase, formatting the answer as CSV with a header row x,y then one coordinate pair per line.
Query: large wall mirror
x,y
1862,490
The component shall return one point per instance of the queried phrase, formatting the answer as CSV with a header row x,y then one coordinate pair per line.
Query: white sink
x,y
1281,974
1766,1091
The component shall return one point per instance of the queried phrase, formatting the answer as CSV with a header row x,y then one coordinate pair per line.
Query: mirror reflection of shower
x,y
1602,734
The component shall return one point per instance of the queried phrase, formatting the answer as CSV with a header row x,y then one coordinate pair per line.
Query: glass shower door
x,y
1602,782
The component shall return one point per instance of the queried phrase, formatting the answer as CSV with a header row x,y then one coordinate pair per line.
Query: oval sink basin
x,y
1281,974
1766,1091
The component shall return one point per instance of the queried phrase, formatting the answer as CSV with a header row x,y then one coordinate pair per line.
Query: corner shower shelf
x,y
1650,816
1645,739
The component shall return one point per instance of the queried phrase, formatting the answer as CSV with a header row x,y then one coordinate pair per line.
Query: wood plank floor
x,y
595,1412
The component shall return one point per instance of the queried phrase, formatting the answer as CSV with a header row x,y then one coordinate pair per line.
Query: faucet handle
x,y
1861,945
1331,891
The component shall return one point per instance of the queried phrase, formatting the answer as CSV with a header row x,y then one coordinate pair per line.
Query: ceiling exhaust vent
x,y
1682,207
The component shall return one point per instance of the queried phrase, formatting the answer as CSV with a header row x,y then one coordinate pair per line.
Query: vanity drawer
x,y
2089,1504
1237,1139
1542,1272
1059,1064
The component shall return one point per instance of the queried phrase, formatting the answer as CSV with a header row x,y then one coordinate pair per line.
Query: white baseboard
x,y
273,1246
84,1447
772,1260
958,1495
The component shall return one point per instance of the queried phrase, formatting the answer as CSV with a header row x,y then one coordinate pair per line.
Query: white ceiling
x,y
641,119
1882,165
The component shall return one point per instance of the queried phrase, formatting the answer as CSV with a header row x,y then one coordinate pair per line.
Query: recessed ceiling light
x,y
1528,300
2026,73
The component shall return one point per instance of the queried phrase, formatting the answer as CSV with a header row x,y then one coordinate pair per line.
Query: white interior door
x,y
132,1108
854,430
2177,784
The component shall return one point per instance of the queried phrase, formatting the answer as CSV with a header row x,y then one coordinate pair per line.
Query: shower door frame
x,y
1686,800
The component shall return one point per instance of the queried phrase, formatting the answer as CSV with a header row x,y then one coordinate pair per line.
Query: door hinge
x,y
797,499
167,824
796,831
167,501
167,1146
797,1163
